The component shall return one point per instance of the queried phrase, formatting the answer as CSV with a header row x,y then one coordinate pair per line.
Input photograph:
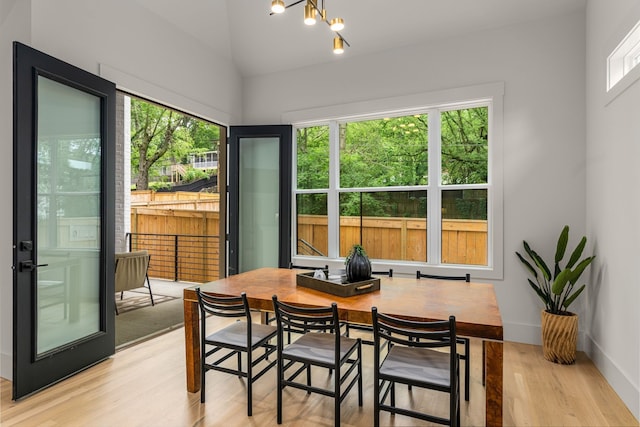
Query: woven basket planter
x,y
559,337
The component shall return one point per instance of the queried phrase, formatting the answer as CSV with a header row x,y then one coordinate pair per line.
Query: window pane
x,y
464,146
384,152
313,157
464,227
311,225
389,225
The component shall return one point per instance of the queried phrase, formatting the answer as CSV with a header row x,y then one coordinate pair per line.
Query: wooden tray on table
x,y
337,286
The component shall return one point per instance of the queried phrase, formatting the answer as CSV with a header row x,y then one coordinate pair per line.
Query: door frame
x,y
285,135
31,373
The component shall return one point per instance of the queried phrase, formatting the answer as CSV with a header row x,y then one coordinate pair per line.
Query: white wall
x,y
542,67
613,204
129,46
15,24
140,52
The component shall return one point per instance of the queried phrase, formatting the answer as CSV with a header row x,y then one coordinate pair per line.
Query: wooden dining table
x,y
473,304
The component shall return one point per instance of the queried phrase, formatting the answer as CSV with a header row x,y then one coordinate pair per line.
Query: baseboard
x,y
6,366
621,383
532,334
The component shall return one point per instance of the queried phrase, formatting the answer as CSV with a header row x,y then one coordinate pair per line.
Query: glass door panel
x,y
259,198
68,215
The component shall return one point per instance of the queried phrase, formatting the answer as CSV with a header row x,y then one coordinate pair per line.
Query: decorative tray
x,y
336,286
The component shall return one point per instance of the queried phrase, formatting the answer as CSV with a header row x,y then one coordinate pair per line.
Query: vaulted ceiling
x,y
260,43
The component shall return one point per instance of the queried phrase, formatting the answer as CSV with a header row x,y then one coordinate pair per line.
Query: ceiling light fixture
x,y
309,13
338,47
277,6
311,10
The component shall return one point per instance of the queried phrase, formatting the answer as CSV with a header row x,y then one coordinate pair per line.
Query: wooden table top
x,y
473,304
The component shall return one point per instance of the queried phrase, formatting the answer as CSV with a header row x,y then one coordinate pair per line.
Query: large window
x,y
414,188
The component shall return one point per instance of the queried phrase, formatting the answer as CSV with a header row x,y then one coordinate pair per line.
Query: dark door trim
x,y
31,373
284,133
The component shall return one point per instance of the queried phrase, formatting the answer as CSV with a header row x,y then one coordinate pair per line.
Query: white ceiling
x,y
258,43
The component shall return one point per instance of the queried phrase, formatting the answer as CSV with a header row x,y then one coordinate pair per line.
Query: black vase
x,y
358,268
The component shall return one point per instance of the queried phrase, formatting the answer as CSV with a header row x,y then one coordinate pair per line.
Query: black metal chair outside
x,y
461,340
315,347
413,359
234,339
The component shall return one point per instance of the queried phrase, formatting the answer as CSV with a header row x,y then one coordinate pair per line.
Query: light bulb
x,y
277,6
337,24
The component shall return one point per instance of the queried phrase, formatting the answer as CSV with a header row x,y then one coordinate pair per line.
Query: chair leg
x,y
239,364
309,378
466,369
203,372
150,293
279,385
359,374
393,393
249,383
336,397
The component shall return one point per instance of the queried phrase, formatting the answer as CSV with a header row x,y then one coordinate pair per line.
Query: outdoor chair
x,y
461,340
131,272
321,345
235,339
412,358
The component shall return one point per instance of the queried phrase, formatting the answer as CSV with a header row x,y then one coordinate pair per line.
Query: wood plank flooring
x,y
144,385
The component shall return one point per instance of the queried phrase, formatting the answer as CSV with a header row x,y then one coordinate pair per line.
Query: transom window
x,y
411,188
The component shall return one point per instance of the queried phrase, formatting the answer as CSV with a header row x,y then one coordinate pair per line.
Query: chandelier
x,y
311,10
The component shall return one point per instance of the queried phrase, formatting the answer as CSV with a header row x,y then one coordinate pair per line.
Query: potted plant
x,y
358,264
556,290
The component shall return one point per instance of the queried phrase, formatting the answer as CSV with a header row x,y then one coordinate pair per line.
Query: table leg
x,y
192,345
493,389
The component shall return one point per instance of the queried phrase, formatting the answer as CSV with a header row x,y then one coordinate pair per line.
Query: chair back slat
x,y
306,318
466,277
434,334
223,306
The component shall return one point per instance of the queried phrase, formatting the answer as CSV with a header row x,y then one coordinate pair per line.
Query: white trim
x,y
621,381
491,93
143,88
400,104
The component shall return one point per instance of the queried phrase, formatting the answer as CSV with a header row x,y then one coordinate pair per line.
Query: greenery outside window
x,y
415,188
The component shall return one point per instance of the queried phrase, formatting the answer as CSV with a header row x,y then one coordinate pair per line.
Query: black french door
x,y
259,197
63,207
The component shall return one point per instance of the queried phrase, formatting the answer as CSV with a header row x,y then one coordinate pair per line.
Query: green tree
x,y
160,135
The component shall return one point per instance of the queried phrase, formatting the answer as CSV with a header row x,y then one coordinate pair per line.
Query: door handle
x,y
28,265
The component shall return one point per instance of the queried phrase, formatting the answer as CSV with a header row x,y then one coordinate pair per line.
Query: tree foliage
x,y
393,152
162,136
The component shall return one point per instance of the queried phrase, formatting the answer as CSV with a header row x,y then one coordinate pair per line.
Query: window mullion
x,y
434,196
333,202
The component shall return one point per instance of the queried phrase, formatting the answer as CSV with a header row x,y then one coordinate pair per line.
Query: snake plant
x,y
556,290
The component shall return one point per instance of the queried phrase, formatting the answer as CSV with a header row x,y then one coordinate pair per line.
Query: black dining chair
x,y
270,317
234,339
412,357
359,326
461,340
315,347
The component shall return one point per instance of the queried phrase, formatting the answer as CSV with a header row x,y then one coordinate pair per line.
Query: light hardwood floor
x,y
144,385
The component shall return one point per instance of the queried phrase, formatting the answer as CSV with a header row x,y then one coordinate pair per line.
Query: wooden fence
x,y
194,264
176,200
463,241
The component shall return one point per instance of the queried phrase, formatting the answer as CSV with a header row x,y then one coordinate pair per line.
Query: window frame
x,y
490,95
